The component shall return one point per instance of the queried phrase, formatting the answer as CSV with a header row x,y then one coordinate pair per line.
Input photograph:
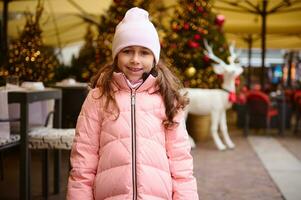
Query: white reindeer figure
x,y
216,101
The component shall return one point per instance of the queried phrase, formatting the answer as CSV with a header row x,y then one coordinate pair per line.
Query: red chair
x,y
297,95
259,111
296,98
297,108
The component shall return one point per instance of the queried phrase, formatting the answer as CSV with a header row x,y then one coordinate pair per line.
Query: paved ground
x,y
292,144
282,166
235,174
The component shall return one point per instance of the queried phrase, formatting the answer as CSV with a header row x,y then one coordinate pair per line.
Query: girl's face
x,y
133,61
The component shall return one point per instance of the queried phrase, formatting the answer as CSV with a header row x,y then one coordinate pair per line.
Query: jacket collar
x,y
120,83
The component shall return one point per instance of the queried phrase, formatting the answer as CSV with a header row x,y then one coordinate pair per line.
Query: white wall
x,y
68,52
272,57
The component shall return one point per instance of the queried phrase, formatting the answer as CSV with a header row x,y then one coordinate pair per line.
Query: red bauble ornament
x,y
186,26
197,37
193,44
173,46
206,59
219,20
200,9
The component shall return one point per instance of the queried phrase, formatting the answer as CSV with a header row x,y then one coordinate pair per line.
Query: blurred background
x,y
52,48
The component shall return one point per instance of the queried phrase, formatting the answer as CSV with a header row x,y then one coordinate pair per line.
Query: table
x,y
24,98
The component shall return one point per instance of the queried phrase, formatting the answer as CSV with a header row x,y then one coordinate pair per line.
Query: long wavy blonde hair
x,y
169,88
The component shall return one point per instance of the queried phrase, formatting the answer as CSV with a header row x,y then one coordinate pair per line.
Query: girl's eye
x,y
126,51
145,52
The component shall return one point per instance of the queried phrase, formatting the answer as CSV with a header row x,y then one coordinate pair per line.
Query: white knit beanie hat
x,y
136,29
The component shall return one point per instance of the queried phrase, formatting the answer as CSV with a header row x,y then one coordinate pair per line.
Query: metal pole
x,y
4,30
250,42
263,42
289,70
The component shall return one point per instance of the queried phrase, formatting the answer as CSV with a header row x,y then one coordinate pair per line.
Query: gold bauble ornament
x,y
190,71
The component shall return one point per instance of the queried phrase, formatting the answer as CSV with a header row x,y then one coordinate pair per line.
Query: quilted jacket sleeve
x,y
84,154
181,162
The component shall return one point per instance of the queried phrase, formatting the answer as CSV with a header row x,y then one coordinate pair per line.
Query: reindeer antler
x,y
233,54
210,54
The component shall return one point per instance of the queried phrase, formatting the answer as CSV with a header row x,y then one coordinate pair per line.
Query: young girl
x,y
131,142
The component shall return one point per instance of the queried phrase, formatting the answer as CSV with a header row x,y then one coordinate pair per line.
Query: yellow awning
x,y
62,24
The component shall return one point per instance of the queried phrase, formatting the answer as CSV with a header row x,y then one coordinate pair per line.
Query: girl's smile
x,y
133,69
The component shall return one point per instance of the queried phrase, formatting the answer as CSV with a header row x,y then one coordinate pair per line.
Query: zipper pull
x,y
133,99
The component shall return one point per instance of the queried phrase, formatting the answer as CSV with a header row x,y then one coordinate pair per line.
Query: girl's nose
x,y
135,58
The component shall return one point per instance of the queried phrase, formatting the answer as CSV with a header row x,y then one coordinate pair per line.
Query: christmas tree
x,y
93,55
28,58
194,21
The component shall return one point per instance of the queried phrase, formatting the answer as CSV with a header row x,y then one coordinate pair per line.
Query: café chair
x,y
42,138
47,138
259,111
7,143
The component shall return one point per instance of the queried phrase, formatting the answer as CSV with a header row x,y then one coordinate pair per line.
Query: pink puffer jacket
x,y
132,157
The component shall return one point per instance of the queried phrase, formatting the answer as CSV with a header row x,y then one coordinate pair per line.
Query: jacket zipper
x,y
133,128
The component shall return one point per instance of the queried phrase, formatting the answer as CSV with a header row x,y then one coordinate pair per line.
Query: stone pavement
x,y
292,144
283,166
232,174
237,174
